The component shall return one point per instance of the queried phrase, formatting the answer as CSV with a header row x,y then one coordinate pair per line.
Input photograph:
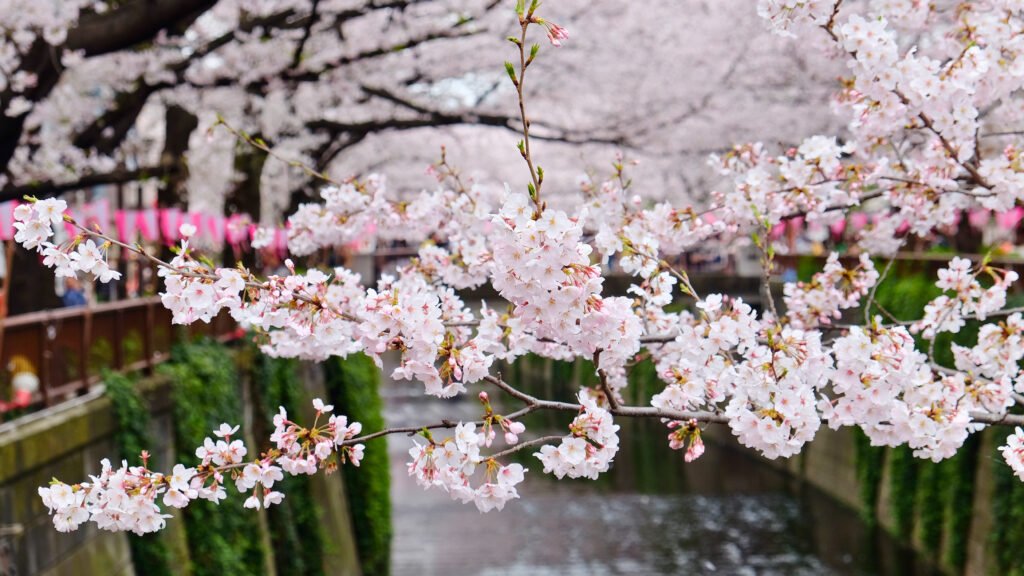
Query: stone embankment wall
x,y
945,511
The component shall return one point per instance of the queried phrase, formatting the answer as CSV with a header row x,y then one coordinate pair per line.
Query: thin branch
x,y
522,445
536,176
874,289
625,411
613,401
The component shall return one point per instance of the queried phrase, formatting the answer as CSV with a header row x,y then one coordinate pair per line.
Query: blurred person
x,y
74,294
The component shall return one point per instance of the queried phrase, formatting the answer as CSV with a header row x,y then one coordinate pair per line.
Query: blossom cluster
x,y
912,159
1013,452
128,498
686,435
589,448
33,223
809,179
775,412
969,299
450,464
834,289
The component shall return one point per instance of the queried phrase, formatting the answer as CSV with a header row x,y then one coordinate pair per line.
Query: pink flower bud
x,y
556,34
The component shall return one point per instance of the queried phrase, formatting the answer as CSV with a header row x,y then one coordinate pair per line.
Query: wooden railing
x,y
67,348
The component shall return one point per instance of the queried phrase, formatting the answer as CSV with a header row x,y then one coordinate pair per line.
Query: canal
x,y
727,513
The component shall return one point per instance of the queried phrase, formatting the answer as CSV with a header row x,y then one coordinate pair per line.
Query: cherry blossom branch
x,y
261,145
627,411
517,447
609,394
925,119
526,18
250,282
874,290
646,339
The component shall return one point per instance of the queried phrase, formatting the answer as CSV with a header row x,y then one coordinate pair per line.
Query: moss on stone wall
x,y
295,524
931,503
870,462
150,554
223,540
352,385
959,499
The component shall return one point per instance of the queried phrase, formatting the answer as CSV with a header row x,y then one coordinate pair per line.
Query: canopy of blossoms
x,y
930,93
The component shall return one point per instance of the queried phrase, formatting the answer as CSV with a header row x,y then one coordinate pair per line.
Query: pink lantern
x,y
1009,220
837,228
796,225
978,218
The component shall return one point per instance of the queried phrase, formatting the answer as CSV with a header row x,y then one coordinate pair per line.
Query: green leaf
x,y
511,71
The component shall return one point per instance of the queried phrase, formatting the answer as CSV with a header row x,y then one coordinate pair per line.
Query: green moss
x,y
132,345
295,528
643,383
807,267
902,488
930,503
960,501
101,356
352,385
869,461
150,554
223,540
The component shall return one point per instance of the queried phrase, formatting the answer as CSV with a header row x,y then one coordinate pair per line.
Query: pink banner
x,y
7,219
237,229
127,225
796,224
170,222
77,215
196,219
215,225
281,241
96,215
147,222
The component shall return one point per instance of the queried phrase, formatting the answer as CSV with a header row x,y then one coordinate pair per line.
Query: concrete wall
x,y
66,441
829,464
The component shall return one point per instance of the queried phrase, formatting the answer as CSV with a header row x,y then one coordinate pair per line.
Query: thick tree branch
x,y
131,23
50,189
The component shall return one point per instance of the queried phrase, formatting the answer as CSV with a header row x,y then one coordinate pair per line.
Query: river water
x,y
652,514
